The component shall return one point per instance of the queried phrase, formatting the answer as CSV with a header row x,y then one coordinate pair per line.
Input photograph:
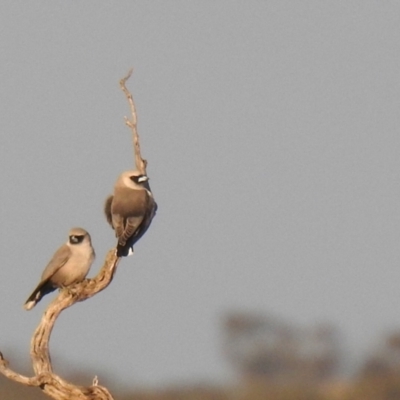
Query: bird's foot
x,y
71,290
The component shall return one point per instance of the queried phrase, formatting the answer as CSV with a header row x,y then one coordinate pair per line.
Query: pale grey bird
x,y
70,264
130,210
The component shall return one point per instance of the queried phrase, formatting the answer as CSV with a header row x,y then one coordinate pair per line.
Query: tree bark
x,y
50,383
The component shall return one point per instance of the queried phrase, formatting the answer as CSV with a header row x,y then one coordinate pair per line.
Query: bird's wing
x,y
154,208
146,220
107,209
59,258
140,230
131,227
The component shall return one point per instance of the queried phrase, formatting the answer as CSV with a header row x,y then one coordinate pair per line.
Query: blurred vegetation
x,y
380,388
273,360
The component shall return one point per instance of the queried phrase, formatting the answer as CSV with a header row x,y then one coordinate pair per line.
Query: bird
x,y
130,210
69,264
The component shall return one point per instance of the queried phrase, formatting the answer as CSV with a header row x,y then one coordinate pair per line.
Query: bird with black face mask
x,y
70,264
130,210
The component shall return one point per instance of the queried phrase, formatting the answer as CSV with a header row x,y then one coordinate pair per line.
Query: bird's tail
x,y
125,250
41,290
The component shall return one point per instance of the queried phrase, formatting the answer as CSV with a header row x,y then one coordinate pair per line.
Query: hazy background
x,y
272,134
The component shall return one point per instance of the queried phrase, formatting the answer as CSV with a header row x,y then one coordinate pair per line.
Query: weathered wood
x,y
50,383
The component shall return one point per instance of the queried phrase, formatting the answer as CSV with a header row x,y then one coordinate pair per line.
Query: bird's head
x,y
77,236
134,179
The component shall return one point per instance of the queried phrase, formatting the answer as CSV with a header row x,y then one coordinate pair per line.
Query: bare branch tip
x,y
123,80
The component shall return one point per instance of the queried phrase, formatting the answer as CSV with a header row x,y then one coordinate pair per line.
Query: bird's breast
x,y
75,269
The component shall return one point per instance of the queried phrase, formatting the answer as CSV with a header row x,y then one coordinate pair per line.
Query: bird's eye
x,y
74,239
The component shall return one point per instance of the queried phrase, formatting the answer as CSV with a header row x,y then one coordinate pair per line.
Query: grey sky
x,y
272,134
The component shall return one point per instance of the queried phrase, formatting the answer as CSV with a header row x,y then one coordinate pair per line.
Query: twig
x,y
140,163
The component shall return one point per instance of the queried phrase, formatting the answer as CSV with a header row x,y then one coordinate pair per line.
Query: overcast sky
x,y
271,129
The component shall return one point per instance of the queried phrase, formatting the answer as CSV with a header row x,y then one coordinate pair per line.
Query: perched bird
x,y
130,210
70,264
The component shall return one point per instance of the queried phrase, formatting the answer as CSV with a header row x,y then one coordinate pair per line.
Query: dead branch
x,y
45,378
140,163
50,383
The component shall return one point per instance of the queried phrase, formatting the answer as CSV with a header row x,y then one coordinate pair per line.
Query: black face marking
x,y
75,239
139,179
